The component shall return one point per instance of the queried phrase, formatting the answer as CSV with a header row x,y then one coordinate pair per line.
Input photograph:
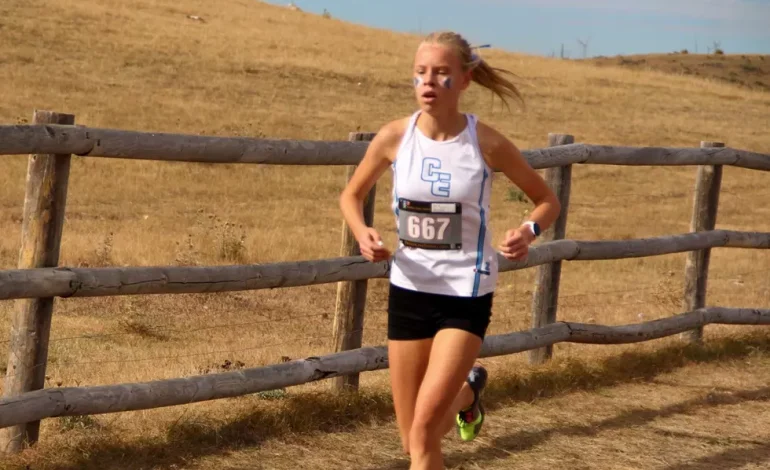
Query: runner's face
x,y
438,77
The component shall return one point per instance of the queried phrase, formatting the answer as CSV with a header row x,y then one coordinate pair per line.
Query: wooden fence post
x,y
44,201
351,296
704,217
546,295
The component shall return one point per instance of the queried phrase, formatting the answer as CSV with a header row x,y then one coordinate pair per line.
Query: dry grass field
x,y
250,69
746,70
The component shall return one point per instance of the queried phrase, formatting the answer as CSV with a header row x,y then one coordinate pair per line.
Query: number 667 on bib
x,y
430,225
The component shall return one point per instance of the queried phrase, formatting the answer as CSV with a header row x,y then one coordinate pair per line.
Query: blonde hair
x,y
483,74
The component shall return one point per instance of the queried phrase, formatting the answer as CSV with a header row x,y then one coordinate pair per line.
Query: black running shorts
x,y
420,315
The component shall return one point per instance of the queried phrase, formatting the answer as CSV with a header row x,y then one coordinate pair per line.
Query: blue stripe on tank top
x,y
395,198
395,188
482,234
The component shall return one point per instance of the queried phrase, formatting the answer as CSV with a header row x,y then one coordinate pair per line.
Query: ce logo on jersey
x,y
440,181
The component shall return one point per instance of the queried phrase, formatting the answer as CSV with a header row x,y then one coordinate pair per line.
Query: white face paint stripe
x,y
447,83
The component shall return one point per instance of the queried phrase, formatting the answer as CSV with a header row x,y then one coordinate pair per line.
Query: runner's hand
x,y
515,246
371,246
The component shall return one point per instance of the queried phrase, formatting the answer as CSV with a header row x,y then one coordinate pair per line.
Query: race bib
x,y
430,225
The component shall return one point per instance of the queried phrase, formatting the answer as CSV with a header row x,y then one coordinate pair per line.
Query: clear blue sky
x,y
540,27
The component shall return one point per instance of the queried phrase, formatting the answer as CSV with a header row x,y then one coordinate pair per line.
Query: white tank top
x,y
441,193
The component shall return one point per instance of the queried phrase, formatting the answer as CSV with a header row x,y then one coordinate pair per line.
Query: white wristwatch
x,y
534,227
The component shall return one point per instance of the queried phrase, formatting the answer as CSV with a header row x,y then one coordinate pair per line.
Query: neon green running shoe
x,y
469,421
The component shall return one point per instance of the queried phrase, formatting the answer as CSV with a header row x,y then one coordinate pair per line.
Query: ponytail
x,y
492,79
482,73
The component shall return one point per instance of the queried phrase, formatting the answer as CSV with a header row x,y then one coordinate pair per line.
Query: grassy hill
x,y
747,70
253,69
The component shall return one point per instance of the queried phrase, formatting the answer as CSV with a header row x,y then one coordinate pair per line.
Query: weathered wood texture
x,y
93,282
90,282
646,156
43,218
70,401
351,295
546,294
113,143
704,217
83,141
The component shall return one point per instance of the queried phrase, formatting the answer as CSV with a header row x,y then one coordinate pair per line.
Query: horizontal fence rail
x,y
114,143
70,401
93,282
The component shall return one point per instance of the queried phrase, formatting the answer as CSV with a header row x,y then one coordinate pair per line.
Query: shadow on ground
x,y
501,447
749,451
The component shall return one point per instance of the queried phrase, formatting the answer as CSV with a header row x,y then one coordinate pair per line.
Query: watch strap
x,y
533,227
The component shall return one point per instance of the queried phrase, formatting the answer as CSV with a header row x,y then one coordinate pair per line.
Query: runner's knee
x,y
425,430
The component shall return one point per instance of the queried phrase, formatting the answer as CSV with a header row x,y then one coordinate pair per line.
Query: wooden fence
x,y
53,138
